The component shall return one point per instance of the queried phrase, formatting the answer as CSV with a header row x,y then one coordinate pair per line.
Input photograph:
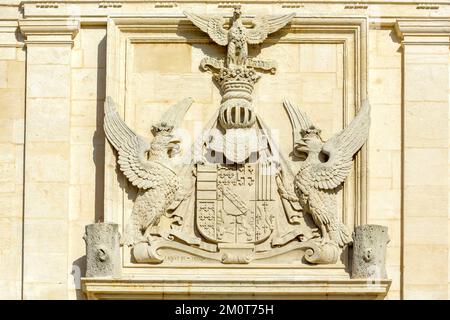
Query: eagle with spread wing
x,y
238,36
325,168
147,166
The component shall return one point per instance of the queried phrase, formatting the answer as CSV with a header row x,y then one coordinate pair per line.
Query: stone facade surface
x,y
59,61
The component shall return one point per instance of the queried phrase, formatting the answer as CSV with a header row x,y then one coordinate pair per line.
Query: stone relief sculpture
x,y
147,166
238,37
248,205
326,166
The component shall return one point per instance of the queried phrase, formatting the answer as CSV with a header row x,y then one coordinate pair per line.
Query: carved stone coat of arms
x,y
234,197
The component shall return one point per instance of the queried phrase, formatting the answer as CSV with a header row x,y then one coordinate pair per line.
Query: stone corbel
x,y
49,32
423,32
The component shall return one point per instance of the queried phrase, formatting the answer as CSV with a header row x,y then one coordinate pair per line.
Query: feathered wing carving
x,y
146,166
131,149
299,120
340,150
263,26
316,182
213,26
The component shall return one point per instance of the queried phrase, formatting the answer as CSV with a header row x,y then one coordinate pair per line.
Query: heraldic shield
x,y
235,202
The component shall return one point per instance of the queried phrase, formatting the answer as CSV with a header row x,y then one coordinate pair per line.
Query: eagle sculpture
x,y
325,168
147,166
238,37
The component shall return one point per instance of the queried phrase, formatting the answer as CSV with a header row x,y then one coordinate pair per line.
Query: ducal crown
x,y
311,131
162,128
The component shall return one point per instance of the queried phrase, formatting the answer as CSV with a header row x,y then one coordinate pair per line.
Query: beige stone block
x,y
419,270
318,57
426,230
393,258
272,89
11,240
93,43
48,55
83,168
44,237
45,290
423,58
318,88
380,183
86,135
437,162
74,203
287,57
10,289
46,200
427,50
385,86
385,133
49,162
16,74
384,204
3,75
394,274
7,152
426,82
396,158
49,268
76,60
12,103
380,162
425,292
21,54
19,131
7,177
11,204
48,81
424,124
426,201
198,87
88,199
142,87
6,130
384,49
7,53
88,84
48,120
162,58
87,113
393,295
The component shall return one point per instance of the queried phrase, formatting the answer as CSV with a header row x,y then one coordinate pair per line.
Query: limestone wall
x,y
52,145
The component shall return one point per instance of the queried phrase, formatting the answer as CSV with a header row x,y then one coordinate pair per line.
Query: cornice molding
x,y
49,31
9,39
421,31
235,288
